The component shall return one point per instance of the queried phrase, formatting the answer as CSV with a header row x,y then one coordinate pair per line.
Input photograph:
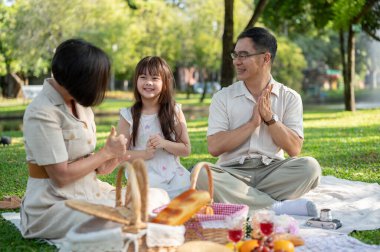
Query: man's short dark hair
x,y
262,39
83,70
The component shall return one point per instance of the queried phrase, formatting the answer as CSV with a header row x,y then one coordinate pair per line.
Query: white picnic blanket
x,y
356,204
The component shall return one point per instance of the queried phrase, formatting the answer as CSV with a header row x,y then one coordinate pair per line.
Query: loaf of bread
x,y
183,207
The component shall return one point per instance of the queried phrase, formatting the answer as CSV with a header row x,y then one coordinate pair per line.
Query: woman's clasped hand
x,y
116,148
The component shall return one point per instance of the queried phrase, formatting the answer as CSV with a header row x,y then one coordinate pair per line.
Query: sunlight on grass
x,y
342,119
199,122
4,102
346,144
102,135
18,141
200,129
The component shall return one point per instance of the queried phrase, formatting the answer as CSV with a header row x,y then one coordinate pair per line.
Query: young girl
x,y
156,127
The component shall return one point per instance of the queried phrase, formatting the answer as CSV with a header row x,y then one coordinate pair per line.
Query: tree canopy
x,y
185,33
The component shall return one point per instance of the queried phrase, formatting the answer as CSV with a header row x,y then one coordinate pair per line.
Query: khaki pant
x,y
258,185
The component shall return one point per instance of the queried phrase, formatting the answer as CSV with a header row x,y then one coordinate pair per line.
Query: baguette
x,y
183,207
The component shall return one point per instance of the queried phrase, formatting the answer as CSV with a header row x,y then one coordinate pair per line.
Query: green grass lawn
x,y
346,145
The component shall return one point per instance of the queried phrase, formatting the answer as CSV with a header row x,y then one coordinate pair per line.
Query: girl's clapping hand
x,y
157,141
150,150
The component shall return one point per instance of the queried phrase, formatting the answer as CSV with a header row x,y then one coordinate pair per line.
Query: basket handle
x,y
195,173
119,177
143,183
137,191
135,195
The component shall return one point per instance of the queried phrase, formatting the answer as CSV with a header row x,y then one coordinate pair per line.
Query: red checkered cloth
x,y
222,210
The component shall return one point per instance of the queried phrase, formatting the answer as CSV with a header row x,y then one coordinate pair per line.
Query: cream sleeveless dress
x,y
164,169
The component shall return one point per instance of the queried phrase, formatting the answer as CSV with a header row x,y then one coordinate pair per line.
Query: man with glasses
x,y
251,123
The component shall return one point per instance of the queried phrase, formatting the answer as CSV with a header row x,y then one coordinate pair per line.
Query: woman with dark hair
x,y
60,139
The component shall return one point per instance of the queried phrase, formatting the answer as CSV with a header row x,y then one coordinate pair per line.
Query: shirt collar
x,y
241,89
54,96
276,86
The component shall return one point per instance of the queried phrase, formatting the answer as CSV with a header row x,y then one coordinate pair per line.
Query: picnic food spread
x,y
203,223
183,207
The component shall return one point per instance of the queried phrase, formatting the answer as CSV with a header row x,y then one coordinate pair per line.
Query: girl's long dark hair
x,y
167,115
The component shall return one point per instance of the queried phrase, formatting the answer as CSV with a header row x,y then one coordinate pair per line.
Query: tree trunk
x,y
112,81
374,78
188,90
257,13
227,74
20,81
343,56
202,80
12,84
349,91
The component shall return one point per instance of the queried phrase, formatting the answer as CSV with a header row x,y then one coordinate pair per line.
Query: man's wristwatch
x,y
272,121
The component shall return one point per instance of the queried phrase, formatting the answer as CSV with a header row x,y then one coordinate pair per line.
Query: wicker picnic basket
x,y
211,227
128,221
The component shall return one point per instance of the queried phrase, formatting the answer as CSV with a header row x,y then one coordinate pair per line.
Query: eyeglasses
x,y
243,55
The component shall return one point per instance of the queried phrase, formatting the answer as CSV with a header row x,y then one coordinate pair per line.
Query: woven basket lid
x,y
133,217
119,215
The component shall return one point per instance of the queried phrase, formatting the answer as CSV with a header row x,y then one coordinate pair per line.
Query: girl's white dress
x,y
164,169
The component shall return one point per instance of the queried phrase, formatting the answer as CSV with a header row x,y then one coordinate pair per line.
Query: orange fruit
x,y
248,246
230,245
283,245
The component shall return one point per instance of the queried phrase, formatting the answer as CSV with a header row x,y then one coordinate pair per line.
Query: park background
x,y
328,50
